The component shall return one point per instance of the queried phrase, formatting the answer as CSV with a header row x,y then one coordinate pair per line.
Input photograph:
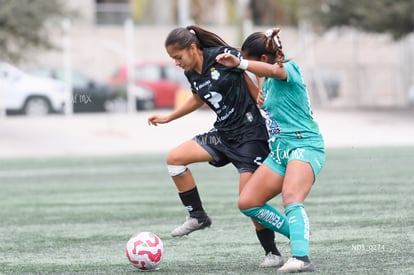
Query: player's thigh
x,y
298,181
188,152
262,186
244,178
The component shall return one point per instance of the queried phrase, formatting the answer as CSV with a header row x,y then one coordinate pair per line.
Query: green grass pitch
x,y
75,215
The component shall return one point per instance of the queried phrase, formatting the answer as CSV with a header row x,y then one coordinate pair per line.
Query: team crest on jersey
x,y
249,116
214,73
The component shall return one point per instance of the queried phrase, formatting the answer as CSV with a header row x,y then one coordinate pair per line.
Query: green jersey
x,y
225,91
287,105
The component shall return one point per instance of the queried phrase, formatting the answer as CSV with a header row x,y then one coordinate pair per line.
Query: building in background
x,y
369,75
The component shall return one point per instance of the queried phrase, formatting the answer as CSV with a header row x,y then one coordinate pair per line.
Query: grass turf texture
x,y
75,215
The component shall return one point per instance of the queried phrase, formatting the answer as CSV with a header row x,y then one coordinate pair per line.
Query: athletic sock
x,y
302,258
269,217
299,229
192,202
267,240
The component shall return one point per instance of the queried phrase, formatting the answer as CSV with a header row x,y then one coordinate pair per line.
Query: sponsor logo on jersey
x,y
202,85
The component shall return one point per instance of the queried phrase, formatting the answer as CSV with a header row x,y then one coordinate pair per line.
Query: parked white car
x,y
30,95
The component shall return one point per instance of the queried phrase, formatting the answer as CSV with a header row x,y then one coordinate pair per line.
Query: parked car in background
x,y
30,95
89,95
143,97
165,80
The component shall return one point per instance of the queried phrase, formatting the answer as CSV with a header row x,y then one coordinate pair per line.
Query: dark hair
x,y
268,43
183,37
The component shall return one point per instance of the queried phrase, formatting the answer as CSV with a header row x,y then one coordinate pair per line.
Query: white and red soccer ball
x,y
145,250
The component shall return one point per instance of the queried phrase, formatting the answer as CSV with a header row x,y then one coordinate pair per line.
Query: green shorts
x,y
283,150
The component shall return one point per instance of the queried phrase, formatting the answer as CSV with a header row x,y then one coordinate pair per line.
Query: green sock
x,y
299,229
269,217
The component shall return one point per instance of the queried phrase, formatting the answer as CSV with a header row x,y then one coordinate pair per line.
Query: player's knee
x,y
289,197
175,157
241,205
175,164
171,158
245,203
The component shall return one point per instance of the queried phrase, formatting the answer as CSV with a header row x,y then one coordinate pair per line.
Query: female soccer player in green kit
x,y
297,147
239,135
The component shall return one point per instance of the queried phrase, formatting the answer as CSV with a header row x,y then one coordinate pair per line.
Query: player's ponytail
x,y
207,39
274,45
267,43
183,37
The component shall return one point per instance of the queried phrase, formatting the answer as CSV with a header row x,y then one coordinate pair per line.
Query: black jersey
x,y
225,91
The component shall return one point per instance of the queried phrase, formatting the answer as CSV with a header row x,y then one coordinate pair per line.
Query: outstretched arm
x,y
193,103
257,67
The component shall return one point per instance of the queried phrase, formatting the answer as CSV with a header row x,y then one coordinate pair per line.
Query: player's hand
x,y
260,98
155,119
228,60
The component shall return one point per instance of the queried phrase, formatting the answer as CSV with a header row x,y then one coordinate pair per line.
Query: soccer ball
x,y
145,250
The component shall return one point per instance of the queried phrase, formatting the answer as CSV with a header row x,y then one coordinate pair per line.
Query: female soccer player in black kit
x,y
239,135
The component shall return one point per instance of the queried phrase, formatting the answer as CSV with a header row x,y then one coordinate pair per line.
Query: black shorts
x,y
245,151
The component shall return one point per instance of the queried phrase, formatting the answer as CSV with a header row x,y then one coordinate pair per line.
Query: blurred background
x,y
62,58
102,54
